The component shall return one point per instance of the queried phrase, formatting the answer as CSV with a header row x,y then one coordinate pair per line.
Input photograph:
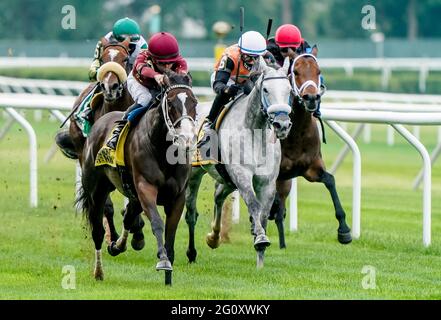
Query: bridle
x,y
309,83
171,126
264,104
126,65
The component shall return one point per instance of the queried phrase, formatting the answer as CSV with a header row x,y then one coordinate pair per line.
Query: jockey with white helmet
x,y
232,71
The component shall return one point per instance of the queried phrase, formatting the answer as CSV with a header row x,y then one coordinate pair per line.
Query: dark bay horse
x,y
112,77
156,176
301,150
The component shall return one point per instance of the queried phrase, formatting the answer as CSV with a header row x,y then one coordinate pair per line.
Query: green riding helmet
x,y
125,26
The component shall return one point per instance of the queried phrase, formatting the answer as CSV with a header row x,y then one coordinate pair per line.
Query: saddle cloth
x,y
93,100
204,155
108,156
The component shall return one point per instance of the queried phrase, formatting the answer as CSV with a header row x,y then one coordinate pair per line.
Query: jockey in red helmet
x,y
147,77
288,42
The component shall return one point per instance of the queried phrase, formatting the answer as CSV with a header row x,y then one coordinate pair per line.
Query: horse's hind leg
x,y
111,233
138,242
133,209
94,212
191,215
173,212
221,192
320,175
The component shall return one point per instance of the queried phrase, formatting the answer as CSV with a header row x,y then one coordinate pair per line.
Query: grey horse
x,y
249,146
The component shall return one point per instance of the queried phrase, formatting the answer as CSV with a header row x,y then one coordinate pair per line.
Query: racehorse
x,y
156,177
253,117
111,77
301,152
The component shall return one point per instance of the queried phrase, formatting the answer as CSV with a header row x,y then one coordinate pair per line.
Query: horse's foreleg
x,y
255,210
220,193
317,173
283,188
147,194
191,215
173,212
344,232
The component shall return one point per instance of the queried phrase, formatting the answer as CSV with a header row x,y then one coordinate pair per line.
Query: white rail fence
x,y
386,65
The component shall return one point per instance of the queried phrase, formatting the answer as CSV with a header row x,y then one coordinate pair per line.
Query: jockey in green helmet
x,y
122,28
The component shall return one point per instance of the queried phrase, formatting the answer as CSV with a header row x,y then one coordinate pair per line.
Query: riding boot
x,y
208,127
112,141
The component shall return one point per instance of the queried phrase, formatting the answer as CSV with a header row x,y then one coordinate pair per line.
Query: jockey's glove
x,y
248,86
232,90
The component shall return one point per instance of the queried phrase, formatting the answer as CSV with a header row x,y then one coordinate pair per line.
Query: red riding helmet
x,y
288,35
163,47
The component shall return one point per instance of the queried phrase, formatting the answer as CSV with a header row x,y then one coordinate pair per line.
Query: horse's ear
x,y
126,42
285,66
314,51
104,41
188,78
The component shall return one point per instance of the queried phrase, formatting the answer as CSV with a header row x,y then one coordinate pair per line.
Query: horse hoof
x,y
138,242
191,255
344,238
113,249
212,241
164,265
261,242
282,246
99,275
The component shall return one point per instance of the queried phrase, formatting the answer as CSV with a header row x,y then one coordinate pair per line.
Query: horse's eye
x,y
296,73
265,90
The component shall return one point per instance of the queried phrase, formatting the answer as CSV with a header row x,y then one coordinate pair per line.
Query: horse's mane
x,y
179,78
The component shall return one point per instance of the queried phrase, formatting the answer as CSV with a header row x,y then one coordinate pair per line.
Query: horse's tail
x,y
84,202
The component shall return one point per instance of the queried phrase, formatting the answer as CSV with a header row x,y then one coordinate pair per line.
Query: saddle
x,y
203,155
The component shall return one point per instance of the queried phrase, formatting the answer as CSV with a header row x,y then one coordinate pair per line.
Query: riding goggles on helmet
x,y
249,58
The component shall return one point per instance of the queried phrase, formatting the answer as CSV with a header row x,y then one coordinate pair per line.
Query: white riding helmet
x,y
252,42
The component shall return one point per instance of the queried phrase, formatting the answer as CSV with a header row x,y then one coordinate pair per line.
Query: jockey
x,y
232,72
288,42
121,29
147,77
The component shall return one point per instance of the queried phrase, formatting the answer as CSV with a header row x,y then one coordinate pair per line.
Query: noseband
x,y
171,126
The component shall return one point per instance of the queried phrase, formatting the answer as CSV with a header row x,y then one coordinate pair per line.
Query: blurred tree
x,y
38,19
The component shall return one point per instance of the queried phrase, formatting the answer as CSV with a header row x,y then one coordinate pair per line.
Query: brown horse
x,y
156,175
112,82
301,152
